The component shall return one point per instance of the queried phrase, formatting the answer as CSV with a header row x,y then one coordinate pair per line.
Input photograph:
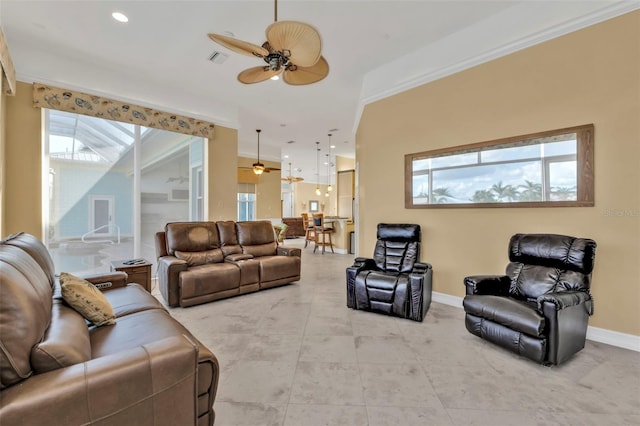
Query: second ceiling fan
x,y
292,49
257,167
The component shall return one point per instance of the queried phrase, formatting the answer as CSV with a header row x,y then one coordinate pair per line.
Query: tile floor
x,y
296,355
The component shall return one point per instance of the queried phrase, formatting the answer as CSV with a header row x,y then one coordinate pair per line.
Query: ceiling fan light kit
x,y
292,49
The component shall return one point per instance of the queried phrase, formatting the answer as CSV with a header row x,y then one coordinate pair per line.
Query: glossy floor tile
x,y
296,355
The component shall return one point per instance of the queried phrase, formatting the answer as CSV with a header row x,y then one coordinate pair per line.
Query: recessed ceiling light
x,y
275,77
286,156
120,17
332,146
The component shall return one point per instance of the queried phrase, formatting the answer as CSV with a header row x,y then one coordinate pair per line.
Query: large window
x,y
112,186
552,168
246,201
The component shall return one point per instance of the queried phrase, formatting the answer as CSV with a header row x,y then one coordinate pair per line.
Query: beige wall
x,y
344,163
21,207
3,127
304,192
268,194
222,157
589,76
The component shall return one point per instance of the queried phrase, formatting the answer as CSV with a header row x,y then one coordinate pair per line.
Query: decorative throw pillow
x,y
85,298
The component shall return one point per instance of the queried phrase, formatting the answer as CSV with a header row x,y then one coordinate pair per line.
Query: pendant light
x,y
318,192
326,194
258,167
329,187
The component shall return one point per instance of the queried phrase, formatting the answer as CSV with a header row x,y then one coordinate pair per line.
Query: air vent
x,y
218,57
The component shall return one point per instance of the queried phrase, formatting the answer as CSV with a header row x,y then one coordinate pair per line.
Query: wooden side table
x,y
136,273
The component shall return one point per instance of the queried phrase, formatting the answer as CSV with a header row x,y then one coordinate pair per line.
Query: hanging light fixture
x,y
329,187
326,194
318,192
258,167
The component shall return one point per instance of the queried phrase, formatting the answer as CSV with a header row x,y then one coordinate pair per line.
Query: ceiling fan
x,y
290,178
257,167
292,48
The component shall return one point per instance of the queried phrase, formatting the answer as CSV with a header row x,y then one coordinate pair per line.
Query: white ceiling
x,y
374,49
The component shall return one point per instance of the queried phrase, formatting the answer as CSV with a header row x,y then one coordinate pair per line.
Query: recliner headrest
x,y
556,251
398,232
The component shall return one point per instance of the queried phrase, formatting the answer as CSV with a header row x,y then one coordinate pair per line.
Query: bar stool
x,y
322,234
309,232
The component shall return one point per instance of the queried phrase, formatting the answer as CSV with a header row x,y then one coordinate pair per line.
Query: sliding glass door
x,y
111,186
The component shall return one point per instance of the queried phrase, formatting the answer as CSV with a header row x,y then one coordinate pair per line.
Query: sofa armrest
x,y
237,257
116,278
169,268
497,285
286,251
152,383
566,299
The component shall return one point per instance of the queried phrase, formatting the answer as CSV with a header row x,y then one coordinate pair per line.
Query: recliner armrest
x,y
566,299
157,381
497,285
116,278
364,263
420,267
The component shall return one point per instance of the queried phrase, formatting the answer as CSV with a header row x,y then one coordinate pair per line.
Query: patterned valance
x,y
95,106
6,66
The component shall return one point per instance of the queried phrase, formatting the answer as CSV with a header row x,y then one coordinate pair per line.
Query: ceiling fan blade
x,y
300,39
257,74
298,76
239,46
292,179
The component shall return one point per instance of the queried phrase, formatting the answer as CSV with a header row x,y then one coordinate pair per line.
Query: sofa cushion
x,y
512,313
36,250
278,267
130,299
65,343
194,258
191,236
259,250
85,298
257,238
228,237
25,312
210,278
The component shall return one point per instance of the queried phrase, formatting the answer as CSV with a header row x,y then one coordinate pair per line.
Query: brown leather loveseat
x,y
146,369
199,262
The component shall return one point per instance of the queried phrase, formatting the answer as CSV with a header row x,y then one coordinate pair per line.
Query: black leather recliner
x,y
540,308
394,282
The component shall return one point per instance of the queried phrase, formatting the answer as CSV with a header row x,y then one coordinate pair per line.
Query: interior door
x,y
101,214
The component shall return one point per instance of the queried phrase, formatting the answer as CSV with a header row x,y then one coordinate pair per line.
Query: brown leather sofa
x,y
146,369
296,226
200,262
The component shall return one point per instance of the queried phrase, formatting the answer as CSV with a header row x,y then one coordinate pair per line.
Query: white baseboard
x,y
601,335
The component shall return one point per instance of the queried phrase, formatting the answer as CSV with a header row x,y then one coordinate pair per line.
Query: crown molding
x,y
465,49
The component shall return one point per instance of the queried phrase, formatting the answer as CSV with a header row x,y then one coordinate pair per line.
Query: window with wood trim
x,y
551,168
